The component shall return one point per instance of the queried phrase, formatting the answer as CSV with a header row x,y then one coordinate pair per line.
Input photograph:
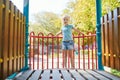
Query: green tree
x,y
109,5
83,15
83,12
46,22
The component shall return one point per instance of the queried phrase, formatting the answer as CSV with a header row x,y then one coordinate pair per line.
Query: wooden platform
x,y
63,74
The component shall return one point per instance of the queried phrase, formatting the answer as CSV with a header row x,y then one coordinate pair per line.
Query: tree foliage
x,y
109,5
46,22
83,12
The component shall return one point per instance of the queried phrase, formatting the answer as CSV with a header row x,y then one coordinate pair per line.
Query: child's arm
x,y
60,32
77,30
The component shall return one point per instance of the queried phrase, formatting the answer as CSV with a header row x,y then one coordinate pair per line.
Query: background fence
x,y
46,52
111,39
12,39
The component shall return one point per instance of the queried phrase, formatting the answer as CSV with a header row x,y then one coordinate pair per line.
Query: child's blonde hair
x,y
66,16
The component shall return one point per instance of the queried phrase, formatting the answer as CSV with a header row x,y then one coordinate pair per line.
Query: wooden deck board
x,y
86,75
35,75
98,76
56,74
46,75
66,75
25,75
76,75
112,77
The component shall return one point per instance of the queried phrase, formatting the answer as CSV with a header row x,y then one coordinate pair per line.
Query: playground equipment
x,y
14,46
12,39
54,57
111,39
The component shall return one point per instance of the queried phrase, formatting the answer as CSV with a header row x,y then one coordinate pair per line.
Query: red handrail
x,y
49,54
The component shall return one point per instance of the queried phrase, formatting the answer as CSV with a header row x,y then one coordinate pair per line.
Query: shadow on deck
x,y
65,74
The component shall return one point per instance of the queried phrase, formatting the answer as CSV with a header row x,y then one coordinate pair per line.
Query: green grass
x,y
115,72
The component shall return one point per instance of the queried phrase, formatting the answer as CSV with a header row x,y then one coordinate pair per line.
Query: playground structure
x,y
45,52
14,44
110,39
12,39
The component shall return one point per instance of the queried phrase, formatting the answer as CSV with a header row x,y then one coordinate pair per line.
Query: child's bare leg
x,y
72,59
65,58
71,55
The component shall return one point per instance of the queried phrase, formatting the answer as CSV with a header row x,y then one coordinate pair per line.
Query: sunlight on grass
x,y
115,72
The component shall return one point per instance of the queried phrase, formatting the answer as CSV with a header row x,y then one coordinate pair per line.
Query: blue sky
x,y
36,6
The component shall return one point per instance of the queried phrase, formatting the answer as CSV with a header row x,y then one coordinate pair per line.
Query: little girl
x,y
67,40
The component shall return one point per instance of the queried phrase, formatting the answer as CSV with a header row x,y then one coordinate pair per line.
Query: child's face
x,y
65,20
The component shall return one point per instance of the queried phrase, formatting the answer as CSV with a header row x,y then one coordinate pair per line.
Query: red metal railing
x,y
45,51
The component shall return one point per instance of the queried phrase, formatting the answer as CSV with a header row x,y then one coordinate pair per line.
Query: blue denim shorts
x,y
68,45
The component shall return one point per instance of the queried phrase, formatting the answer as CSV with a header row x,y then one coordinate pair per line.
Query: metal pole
x,y
98,32
26,14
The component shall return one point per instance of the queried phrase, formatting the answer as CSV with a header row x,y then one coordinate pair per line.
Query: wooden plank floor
x,y
64,74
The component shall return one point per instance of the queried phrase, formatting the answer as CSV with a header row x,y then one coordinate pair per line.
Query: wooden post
x,y
11,37
1,35
116,39
5,39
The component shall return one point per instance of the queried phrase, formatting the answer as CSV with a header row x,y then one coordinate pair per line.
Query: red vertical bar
x,y
52,52
83,54
79,51
58,52
30,52
96,53
92,52
88,52
47,52
42,52
33,50
38,53
42,37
